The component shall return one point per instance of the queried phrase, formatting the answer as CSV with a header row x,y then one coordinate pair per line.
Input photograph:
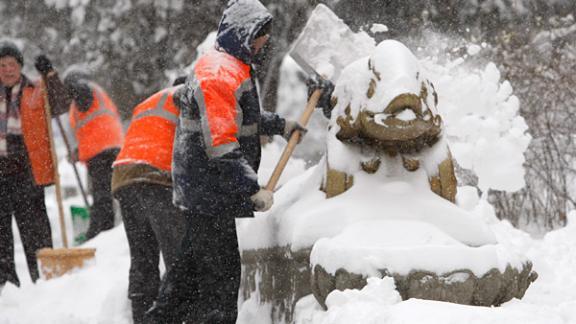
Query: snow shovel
x,y
324,47
56,262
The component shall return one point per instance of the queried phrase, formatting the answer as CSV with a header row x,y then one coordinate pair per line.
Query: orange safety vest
x,y
217,99
97,129
35,133
150,137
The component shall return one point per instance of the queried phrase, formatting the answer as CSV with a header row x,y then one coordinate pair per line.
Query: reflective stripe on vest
x,y
217,98
158,111
150,140
214,151
195,126
100,111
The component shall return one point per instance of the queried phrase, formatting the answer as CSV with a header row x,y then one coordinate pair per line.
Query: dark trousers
x,y
202,286
152,224
22,198
102,209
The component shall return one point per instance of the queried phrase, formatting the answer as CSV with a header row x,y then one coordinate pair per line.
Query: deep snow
x,y
97,293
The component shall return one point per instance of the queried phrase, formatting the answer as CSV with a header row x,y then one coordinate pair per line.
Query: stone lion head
x,y
384,101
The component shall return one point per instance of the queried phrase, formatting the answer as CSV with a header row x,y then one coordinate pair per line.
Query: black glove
x,y
43,64
262,200
316,82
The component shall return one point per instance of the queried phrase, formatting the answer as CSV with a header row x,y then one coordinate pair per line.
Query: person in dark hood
x,y
215,163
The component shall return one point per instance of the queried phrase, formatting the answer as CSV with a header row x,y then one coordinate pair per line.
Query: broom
x,y
56,262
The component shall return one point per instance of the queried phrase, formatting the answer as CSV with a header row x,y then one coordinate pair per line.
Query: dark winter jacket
x,y
217,144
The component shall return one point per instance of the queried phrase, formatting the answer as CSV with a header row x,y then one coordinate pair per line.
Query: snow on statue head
x,y
399,113
385,111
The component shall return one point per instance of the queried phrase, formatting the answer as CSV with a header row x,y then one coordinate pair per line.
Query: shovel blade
x,y
327,45
56,262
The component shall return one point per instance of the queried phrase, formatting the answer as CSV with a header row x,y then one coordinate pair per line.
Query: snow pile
x,y
253,312
302,214
351,306
428,312
397,224
95,294
555,260
402,246
483,127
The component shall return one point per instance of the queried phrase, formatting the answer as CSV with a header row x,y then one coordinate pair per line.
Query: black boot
x,y
139,307
158,315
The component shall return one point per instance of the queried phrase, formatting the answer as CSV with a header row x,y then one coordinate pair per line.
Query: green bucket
x,y
80,222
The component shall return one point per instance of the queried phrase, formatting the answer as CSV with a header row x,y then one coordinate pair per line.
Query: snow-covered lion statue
x,y
389,112
380,203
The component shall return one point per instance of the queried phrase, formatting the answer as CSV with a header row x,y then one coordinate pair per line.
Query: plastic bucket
x,y
80,222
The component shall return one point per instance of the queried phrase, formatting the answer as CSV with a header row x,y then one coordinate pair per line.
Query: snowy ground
x,y
97,293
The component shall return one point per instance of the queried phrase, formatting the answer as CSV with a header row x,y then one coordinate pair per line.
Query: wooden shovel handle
x,y
48,114
69,150
312,102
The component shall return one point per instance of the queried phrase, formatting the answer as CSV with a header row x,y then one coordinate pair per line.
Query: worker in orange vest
x,y
98,131
142,183
26,164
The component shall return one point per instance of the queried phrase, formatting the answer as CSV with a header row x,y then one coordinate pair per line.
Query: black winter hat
x,y
264,30
75,74
8,48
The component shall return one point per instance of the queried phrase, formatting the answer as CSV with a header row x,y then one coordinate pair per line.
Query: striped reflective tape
x,y
159,111
102,110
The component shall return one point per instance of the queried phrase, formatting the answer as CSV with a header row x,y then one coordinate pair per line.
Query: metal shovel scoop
x,y
324,48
